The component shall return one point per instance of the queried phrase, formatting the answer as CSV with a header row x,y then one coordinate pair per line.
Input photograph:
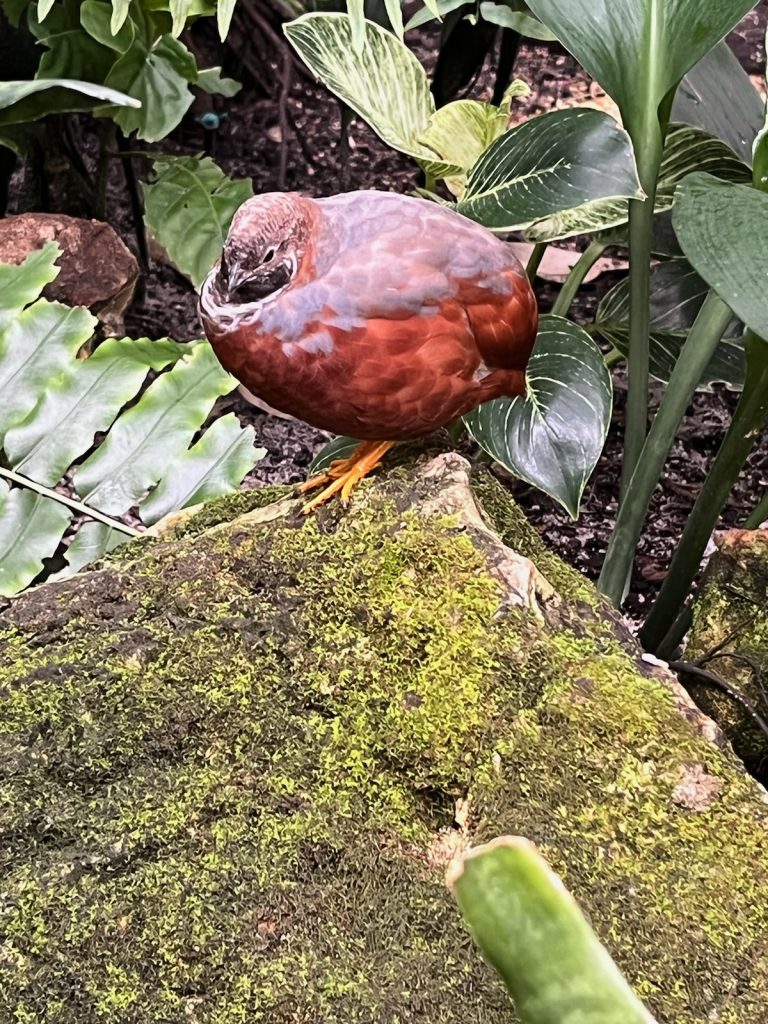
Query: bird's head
x,y
264,251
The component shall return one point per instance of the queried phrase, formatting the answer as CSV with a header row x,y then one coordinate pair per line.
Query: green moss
x,y
229,782
731,621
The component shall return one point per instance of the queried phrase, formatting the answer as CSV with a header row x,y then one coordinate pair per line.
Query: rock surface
x,y
236,760
730,638
97,269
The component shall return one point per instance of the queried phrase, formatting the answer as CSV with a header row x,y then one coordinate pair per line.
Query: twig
x,y
77,506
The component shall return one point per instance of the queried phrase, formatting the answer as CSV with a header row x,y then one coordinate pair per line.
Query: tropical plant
x,y
531,931
83,442
131,47
675,321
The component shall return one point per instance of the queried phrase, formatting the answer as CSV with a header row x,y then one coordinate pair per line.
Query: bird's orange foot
x,y
343,474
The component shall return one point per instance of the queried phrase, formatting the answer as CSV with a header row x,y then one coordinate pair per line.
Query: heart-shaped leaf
x,y
189,207
160,79
553,436
677,295
518,21
722,229
555,162
382,81
639,50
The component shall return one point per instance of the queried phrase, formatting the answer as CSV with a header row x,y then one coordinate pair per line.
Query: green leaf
x,y
74,53
558,161
43,8
677,295
722,229
153,77
77,405
384,83
210,80
22,284
12,93
215,465
31,527
760,148
147,438
501,14
430,13
686,149
224,11
188,209
530,929
98,20
35,348
179,14
92,541
458,133
395,15
553,436
120,9
718,96
338,448
639,50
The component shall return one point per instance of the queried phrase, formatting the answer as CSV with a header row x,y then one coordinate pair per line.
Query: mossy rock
x,y
235,764
729,638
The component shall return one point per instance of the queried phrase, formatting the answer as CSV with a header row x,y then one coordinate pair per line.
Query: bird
x,y
370,314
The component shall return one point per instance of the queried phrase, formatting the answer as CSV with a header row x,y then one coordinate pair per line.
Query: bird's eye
x,y
269,255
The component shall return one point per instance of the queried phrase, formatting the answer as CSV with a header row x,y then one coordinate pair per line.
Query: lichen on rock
x,y
235,762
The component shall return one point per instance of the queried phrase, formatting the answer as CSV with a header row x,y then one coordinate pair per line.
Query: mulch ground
x,y
254,144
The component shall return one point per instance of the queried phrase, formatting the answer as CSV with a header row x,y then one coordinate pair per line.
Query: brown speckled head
x,y
265,248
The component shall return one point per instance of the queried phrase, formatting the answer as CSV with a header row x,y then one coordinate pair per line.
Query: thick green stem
x,y
534,260
749,419
758,516
613,358
648,145
575,278
704,337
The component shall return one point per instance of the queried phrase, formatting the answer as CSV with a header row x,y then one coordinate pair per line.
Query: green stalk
x,y
613,358
748,421
758,516
704,337
534,260
576,276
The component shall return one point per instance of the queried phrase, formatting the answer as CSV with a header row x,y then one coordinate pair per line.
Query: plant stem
x,y
758,516
77,506
534,260
575,278
648,146
748,420
613,358
704,337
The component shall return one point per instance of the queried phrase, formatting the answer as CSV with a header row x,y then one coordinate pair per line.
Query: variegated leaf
x,y
553,436
687,149
677,294
383,81
558,161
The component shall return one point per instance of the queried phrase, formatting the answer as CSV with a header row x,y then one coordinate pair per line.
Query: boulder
x,y
97,269
236,760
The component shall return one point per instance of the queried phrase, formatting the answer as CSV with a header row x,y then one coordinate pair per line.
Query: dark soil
x,y
251,145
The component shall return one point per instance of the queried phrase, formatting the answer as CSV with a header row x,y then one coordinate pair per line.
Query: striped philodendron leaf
x,y
677,295
555,162
380,79
553,436
687,149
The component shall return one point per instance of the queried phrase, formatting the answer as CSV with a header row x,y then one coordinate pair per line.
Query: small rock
x,y
97,269
696,791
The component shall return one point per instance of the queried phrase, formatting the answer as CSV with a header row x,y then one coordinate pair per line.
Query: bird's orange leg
x,y
343,474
